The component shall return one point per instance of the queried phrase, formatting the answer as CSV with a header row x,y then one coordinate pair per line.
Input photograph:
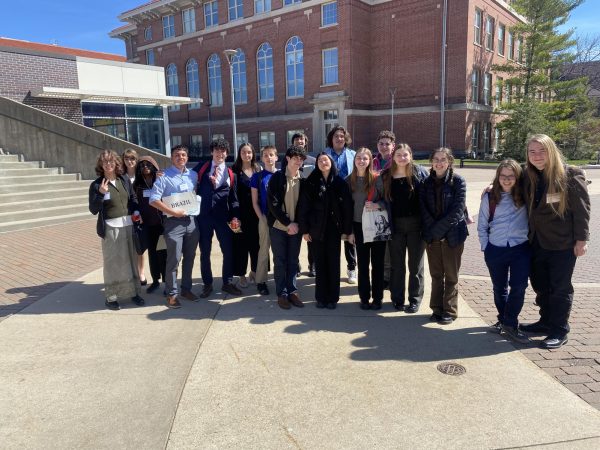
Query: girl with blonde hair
x,y
559,214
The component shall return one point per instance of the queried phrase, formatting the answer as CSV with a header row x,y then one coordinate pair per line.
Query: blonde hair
x,y
515,192
369,174
554,174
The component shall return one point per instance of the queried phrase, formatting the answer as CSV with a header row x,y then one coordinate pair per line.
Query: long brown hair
x,y
515,192
554,174
369,174
389,173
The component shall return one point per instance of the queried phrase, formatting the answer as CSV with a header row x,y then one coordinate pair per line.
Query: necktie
x,y
215,176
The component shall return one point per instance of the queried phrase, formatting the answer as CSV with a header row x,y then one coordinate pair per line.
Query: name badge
x,y
147,193
552,198
183,187
107,196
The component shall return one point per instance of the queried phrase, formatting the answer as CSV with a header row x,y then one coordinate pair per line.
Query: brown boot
x,y
283,303
172,302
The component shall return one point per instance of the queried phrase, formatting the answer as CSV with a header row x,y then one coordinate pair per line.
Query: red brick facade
x,y
382,46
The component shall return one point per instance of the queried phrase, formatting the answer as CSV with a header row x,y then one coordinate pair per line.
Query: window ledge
x,y
331,25
330,84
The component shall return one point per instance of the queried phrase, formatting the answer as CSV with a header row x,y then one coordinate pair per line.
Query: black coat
x,y
320,200
96,202
276,199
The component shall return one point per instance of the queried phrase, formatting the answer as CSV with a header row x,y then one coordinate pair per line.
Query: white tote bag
x,y
375,224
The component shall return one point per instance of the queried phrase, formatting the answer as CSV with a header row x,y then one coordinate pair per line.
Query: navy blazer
x,y
221,203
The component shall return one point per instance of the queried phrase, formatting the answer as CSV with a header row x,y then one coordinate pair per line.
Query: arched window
x,y
264,56
172,84
193,83
294,67
215,85
239,77
148,33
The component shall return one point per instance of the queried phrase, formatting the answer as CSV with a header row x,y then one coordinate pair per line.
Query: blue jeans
x,y
509,267
286,249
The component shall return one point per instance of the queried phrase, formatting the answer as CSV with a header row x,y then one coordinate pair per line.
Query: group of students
x,y
533,223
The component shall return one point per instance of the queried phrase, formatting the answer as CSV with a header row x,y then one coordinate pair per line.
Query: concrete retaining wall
x,y
40,136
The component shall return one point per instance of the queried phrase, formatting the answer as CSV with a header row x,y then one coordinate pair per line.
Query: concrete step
x,y
44,186
16,197
40,213
21,165
24,180
41,222
37,203
29,172
9,158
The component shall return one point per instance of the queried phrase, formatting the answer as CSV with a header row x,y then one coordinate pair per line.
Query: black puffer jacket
x,y
321,199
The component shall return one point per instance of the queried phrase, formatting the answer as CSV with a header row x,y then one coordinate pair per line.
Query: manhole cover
x,y
451,368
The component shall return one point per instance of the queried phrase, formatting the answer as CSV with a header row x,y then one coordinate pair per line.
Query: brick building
x,y
307,65
98,90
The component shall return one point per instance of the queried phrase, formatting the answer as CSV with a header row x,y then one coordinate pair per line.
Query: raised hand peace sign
x,y
103,186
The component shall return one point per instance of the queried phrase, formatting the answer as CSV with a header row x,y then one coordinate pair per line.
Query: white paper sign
x,y
186,201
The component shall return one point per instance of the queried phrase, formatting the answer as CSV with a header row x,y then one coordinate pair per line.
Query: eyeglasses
x,y
439,161
109,162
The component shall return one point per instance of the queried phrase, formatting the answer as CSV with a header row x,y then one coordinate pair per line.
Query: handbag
x,y
140,238
375,224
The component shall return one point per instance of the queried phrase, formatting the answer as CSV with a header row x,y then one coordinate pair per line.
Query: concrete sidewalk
x,y
242,373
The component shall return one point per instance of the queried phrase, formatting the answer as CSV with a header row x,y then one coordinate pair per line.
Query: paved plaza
x,y
241,373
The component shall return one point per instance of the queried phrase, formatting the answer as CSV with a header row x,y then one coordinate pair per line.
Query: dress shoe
x,y
206,291
143,282
331,305
536,327
446,319
189,295
515,334
295,300
554,342
231,288
138,300
365,306
262,288
375,305
411,309
153,287
283,303
399,306
435,317
172,302
114,305
320,305
496,328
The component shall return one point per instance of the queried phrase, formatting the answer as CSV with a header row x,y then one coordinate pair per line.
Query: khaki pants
x,y
264,242
444,265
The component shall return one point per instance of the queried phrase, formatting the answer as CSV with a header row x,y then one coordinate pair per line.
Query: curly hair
x,y
108,155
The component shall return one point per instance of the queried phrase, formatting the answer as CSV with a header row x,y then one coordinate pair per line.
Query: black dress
x,y
246,242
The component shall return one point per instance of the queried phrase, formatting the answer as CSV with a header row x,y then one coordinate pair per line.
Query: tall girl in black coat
x,y
325,213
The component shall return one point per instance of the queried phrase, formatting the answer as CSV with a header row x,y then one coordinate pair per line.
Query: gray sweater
x,y
359,196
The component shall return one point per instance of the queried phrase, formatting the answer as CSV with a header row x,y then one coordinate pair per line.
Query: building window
x,y
496,139
196,144
294,67
508,93
475,86
193,82
330,120
262,6
242,138
215,85
511,45
330,66
240,92
291,2
236,9
266,88
501,34
498,98
172,84
267,138
475,137
148,34
150,57
168,26
175,141
211,14
485,136
329,14
489,33
189,20
519,50
487,89
217,136
477,26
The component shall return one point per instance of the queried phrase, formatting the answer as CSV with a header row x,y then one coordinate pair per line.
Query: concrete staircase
x,y
32,195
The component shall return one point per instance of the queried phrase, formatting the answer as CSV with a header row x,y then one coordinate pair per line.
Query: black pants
x,y
373,254
350,252
244,244
156,258
326,255
407,239
550,275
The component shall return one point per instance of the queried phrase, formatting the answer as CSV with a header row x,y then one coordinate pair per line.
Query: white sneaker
x,y
352,276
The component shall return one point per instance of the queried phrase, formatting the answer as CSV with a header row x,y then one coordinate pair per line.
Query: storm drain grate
x,y
451,368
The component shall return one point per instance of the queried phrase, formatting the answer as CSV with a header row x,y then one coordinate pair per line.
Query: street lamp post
x,y
393,94
229,54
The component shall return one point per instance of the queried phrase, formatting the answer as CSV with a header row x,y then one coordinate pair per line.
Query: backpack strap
x,y
202,170
492,204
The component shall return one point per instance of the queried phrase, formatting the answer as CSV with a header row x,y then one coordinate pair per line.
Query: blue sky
x,y
85,24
